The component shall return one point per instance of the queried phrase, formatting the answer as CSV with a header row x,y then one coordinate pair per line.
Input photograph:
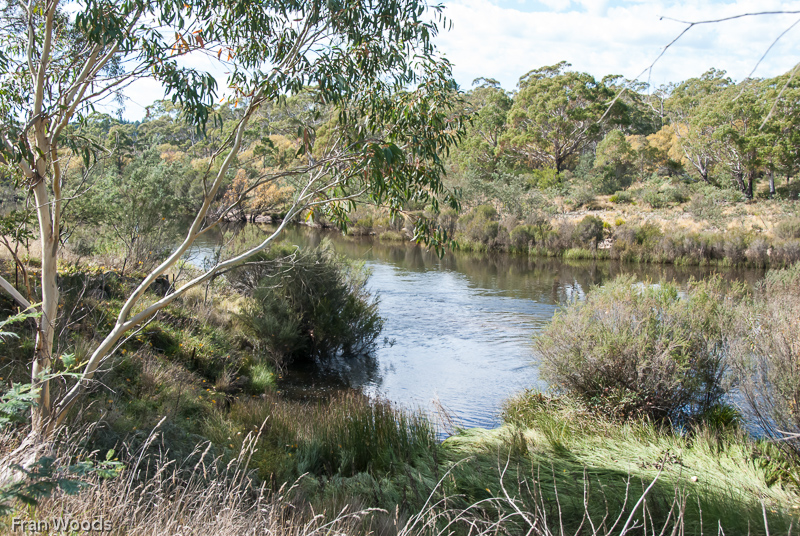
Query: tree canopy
x,y
373,64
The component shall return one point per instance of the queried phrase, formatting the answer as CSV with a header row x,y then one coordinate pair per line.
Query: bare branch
x,y
19,298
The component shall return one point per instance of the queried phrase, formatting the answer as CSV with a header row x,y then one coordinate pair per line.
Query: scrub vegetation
x,y
143,387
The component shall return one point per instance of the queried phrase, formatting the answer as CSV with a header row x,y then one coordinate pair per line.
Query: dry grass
x,y
203,496
200,496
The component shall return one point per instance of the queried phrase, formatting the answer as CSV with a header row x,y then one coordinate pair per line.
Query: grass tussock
x,y
574,469
554,467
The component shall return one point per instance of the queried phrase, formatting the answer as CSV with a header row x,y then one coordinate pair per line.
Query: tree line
x,y
560,123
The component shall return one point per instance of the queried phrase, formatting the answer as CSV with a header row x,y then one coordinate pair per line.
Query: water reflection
x,y
458,328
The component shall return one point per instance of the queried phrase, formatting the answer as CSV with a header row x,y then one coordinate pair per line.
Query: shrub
x,y
480,225
622,197
589,229
362,226
560,237
788,229
704,207
654,198
768,355
447,219
581,198
485,212
522,236
757,252
308,305
640,350
545,178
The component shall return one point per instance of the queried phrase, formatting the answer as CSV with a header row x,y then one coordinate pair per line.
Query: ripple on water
x,y
461,326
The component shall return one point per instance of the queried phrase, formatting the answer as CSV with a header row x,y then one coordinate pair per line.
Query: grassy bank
x,y
191,407
553,467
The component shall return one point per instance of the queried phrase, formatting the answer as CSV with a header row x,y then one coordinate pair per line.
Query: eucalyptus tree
x,y
782,121
371,60
489,105
683,108
735,116
556,114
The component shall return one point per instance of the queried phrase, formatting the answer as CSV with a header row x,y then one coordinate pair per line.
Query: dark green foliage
x,y
588,230
141,210
308,305
641,350
44,476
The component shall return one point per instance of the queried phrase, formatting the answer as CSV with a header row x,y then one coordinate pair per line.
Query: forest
x,y
159,310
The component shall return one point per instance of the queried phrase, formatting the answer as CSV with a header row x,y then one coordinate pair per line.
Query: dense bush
x,y
654,198
768,355
126,211
480,225
588,230
522,236
307,305
641,350
581,197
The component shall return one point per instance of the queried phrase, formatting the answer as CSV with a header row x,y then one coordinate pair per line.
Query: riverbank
x,y
704,230
189,394
553,467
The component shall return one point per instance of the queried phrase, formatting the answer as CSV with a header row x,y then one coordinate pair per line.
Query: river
x,y
458,329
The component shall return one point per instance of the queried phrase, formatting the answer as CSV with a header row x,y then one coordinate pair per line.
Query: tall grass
x,y
566,473
345,435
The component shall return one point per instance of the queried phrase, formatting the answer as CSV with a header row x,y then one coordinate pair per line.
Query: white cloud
x,y
504,39
621,37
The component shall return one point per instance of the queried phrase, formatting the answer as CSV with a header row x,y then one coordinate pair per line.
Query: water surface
x,y
457,329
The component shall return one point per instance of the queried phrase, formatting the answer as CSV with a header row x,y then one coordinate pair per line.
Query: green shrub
x,y
522,236
545,179
480,225
589,229
581,197
654,198
448,219
311,304
622,197
485,212
640,350
768,355
362,226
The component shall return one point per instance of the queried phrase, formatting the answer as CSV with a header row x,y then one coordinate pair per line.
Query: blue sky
x,y
504,39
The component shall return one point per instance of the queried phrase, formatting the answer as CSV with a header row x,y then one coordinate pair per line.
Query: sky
x,y
504,39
